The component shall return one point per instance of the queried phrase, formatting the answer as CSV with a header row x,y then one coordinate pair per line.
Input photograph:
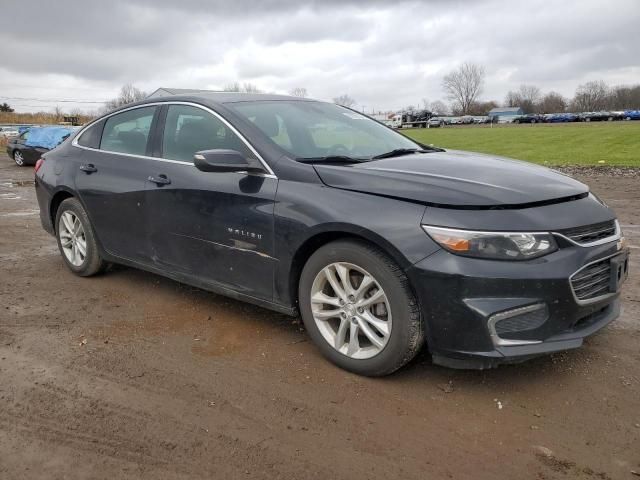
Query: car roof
x,y
231,97
215,98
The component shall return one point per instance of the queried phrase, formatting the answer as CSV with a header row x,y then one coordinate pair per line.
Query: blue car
x,y
632,115
560,118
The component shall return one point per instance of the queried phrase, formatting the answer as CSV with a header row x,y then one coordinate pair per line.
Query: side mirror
x,y
222,161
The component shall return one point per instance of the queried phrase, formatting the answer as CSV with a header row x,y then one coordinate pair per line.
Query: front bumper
x,y
462,297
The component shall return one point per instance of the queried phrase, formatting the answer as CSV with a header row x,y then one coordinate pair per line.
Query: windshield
x,y
310,130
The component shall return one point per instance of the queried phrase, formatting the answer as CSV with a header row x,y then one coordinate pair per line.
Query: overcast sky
x,y
385,54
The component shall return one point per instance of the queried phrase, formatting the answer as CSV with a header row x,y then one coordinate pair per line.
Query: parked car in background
x,y
560,117
382,244
435,122
596,116
481,119
8,132
466,120
631,115
529,118
26,148
618,115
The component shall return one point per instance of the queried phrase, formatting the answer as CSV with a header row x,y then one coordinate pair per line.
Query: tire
x,y
89,264
398,310
18,158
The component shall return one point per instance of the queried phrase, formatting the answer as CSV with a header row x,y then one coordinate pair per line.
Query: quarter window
x,y
128,132
190,129
91,136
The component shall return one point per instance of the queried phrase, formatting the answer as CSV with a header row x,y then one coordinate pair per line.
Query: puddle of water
x,y
18,183
26,213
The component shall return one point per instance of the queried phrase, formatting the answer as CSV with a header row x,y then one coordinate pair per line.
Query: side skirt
x,y
209,286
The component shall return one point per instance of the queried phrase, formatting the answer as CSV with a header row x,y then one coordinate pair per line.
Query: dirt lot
x,y
129,375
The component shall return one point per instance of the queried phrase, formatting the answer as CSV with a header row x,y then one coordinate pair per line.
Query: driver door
x,y
214,227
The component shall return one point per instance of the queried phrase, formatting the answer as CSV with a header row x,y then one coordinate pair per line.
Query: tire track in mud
x,y
81,418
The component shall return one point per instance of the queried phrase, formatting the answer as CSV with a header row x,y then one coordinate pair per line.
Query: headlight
x,y
494,245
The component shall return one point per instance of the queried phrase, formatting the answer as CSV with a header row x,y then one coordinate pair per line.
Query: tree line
x,y
463,88
465,84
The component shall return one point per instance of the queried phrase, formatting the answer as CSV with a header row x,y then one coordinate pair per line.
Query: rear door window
x,y
128,132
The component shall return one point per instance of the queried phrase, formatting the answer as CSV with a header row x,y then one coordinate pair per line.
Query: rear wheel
x,y
18,158
358,308
76,239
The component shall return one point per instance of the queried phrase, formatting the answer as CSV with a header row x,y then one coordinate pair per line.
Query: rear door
x,y
216,227
110,178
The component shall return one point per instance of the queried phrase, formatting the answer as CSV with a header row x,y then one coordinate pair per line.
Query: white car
x,y
8,132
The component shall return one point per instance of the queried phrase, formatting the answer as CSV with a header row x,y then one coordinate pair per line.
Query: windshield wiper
x,y
333,159
399,151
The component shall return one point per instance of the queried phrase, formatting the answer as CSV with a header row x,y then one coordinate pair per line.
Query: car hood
x,y
455,179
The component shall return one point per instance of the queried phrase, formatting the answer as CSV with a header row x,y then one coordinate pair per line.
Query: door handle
x,y
160,179
88,168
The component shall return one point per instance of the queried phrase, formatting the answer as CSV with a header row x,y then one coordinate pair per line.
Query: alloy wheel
x,y
19,159
351,310
72,238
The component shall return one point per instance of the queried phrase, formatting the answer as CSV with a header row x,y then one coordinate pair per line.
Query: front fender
x,y
307,216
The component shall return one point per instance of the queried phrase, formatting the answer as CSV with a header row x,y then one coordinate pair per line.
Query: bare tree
x,y
624,97
482,108
57,114
439,107
591,96
553,102
344,100
464,85
244,88
232,87
298,92
251,88
530,95
128,94
527,97
512,99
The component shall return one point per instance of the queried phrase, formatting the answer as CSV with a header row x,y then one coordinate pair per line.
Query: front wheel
x,y
77,240
358,308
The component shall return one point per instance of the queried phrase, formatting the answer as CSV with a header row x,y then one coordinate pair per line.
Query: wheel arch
x,y
58,197
336,232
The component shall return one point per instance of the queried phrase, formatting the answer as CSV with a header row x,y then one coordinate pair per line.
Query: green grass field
x,y
617,144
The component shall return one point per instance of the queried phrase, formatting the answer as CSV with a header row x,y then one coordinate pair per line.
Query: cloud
x,y
384,54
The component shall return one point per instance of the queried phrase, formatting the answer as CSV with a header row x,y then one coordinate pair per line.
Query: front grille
x,y
592,281
522,322
591,233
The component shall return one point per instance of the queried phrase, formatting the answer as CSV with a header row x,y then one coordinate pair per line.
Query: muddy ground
x,y
130,375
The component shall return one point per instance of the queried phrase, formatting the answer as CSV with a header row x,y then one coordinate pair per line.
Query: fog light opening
x,y
519,319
